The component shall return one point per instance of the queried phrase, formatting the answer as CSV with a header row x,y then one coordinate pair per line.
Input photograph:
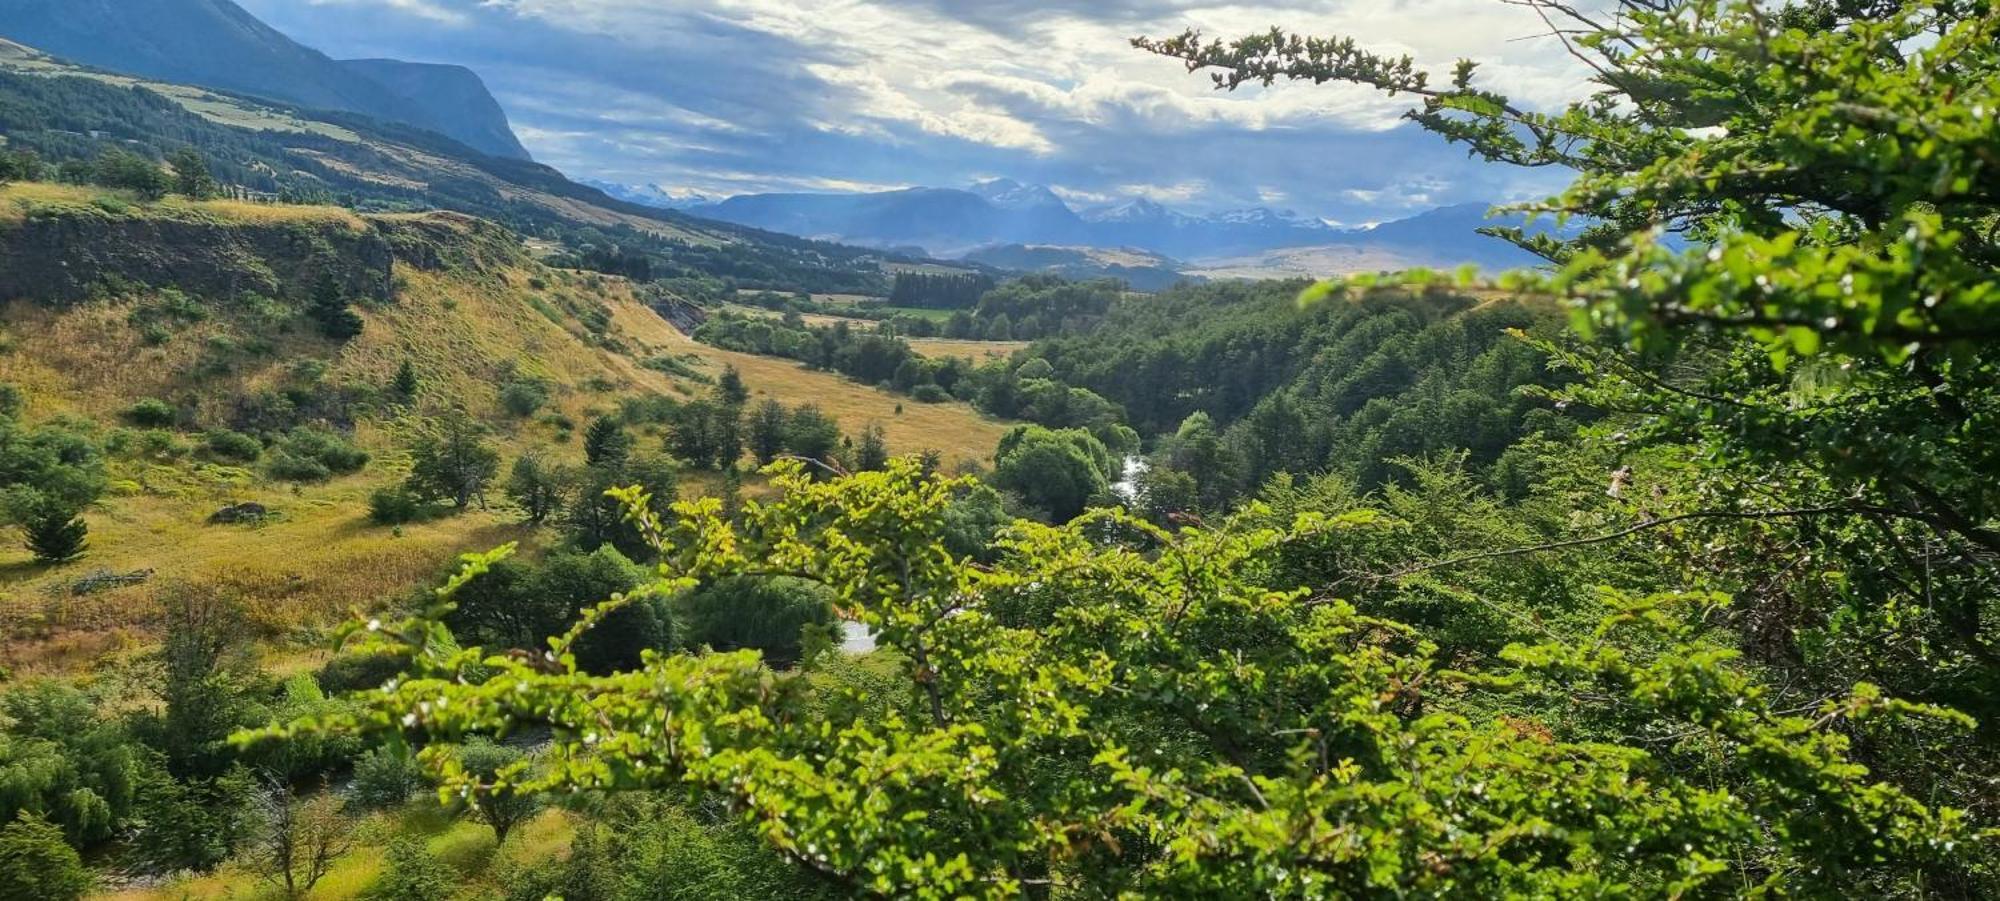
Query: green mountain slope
x,y
216,43
67,112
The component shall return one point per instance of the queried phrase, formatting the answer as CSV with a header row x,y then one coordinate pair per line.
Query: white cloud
x,y
432,10
806,94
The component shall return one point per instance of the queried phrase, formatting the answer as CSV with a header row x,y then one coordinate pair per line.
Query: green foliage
x,y
595,518
36,863
193,178
193,824
1165,720
152,413
516,605
385,778
451,462
606,443
706,433
539,488
501,804
21,165
406,384
59,759
522,397
766,431
331,313
729,388
411,874
129,171
311,454
55,533
872,451
939,290
1056,472
394,506
48,475
768,615
233,447
812,434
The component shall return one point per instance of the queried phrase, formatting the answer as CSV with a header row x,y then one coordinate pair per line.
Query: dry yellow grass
x,y
976,351
955,429
322,558
17,198
461,845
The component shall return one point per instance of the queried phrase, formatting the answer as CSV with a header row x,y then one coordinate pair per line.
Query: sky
x,y
726,97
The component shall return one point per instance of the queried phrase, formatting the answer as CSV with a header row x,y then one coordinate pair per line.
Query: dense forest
x,y
1671,569
1733,635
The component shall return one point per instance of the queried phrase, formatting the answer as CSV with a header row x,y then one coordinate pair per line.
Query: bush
x,y
36,863
55,533
315,455
523,398
929,394
151,413
393,507
385,778
234,447
412,874
122,169
769,615
358,672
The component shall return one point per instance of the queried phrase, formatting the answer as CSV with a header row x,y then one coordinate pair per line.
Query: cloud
x,y
749,95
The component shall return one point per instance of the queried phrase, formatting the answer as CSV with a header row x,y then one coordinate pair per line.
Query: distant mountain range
x,y
217,44
1009,224
651,195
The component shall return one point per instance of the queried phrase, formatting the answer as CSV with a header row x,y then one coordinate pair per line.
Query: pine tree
x,y
192,177
872,452
606,444
330,310
767,431
732,492
730,388
405,384
57,534
36,863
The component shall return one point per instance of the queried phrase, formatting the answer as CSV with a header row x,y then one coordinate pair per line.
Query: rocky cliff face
x,y
65,257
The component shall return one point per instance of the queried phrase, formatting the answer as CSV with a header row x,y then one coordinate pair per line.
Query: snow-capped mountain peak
x,y
1010,194
653,195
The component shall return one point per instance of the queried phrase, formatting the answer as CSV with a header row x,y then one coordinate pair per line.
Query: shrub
x,y
393,507
357,672
769,615
412,874
314,455
541,489
523,398
385,778
123,169
452,463
234,447
160,444
55,532
929,394
151,413
36,863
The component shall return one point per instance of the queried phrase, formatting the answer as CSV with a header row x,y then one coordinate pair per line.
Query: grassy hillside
x,y
66,112
468,310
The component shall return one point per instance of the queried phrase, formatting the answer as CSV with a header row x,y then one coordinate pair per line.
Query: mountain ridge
x,y
218,44
1001,213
